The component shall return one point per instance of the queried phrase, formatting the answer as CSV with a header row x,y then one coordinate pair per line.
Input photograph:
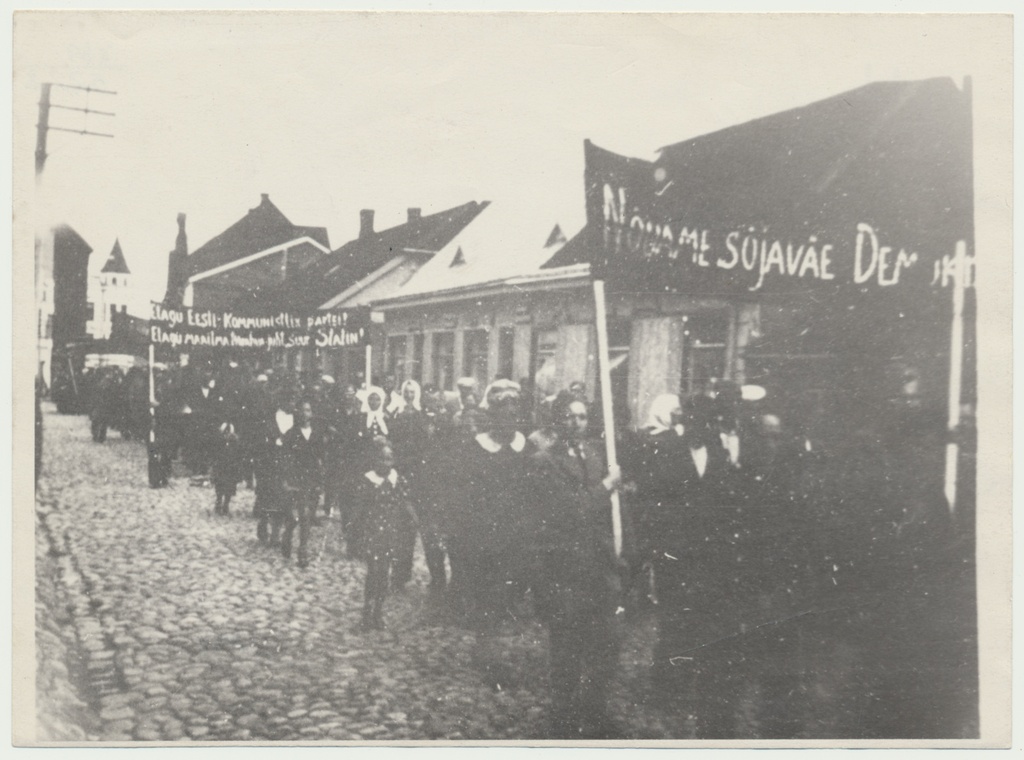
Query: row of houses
x,y
485,290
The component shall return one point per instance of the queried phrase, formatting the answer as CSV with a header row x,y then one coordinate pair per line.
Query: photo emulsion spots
x,y
494,378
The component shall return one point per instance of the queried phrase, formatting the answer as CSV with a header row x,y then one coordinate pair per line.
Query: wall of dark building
x,y
71,278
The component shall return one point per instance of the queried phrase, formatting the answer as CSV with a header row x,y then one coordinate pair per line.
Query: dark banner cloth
x,y
863,194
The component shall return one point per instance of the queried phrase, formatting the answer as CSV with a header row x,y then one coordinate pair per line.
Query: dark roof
x,y
556,237
327,276
893,153
887,145
115,263
263,227
65,235
573,252
871,105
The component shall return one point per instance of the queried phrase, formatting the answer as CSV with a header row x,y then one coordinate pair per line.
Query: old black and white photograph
x,y
541,379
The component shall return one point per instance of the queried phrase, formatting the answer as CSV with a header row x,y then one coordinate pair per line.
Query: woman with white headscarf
x,y
376,416
375,422
410,434
664,415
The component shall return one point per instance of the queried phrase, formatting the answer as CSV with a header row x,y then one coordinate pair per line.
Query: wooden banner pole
x,y
369,365
604,366
956,358
152,396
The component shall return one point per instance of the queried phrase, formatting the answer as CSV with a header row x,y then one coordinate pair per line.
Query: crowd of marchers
x,y
723,513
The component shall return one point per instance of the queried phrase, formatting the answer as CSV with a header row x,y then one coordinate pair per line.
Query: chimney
x,y
264,198
181,244
366,222
414,214
177,267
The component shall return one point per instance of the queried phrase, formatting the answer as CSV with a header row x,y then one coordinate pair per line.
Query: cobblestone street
x,y
178,625
157,620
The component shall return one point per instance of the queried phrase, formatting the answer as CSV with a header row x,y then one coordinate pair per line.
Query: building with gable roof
x,y
371,266
256,253
61,306
483,307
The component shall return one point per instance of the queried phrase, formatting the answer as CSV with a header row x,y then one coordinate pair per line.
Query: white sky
x,y
333,113
330,115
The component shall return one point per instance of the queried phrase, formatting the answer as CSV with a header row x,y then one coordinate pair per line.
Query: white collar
x,y
284,421
376,479
378,417
700,459
491,446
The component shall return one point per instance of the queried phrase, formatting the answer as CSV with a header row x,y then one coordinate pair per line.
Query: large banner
x,y
189,329
867,192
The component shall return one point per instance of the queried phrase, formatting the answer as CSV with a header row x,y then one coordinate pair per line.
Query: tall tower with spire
x,y
113,293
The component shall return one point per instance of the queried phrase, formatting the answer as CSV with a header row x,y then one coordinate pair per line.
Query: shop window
x,y
506,352
416,370
620,334
705,340
545,373
396,357
443,356
474,355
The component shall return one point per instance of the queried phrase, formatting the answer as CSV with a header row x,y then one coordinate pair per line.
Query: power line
x,y
83,110
79,87
43,126
81,132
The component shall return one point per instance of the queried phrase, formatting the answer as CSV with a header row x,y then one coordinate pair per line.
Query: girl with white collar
x,y
384,505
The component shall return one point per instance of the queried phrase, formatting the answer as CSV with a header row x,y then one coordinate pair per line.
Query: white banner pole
x,y
956,358
604,365
152,396
369,364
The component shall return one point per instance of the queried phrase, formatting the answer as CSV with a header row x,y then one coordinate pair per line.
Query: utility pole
x,y
44,238
43,126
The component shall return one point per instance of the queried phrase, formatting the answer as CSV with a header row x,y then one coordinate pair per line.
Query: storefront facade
x,y
541,327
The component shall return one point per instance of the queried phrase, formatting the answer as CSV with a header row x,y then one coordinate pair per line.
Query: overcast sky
x,y
333,113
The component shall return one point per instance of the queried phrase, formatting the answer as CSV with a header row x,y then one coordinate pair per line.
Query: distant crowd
x,y
724,506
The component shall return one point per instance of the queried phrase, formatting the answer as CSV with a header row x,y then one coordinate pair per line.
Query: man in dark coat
x,y
575,584
106,403
201,410
442,436
304,448
271,506
410,432
345,464
164,440
684,483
